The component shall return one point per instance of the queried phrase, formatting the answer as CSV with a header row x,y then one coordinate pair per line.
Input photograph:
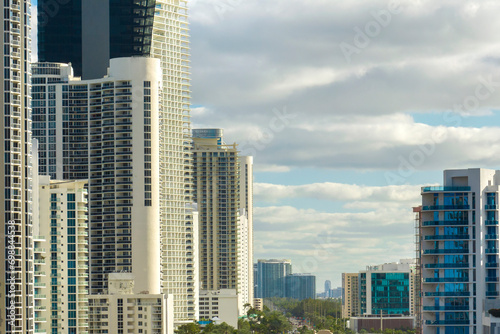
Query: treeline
x,y
319,313
256,322
301,308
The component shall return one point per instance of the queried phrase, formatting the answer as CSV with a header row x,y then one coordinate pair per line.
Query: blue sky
x,y
348,108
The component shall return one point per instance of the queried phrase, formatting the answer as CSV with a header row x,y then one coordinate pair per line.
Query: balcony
x,y
491,222
446,251
447,237
491,207
441,188
491,250
445,207
448,294
446,308
446,322
445,222
446,265
446,280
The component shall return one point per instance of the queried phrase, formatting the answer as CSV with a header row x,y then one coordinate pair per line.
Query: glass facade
x,y
390,293
131,27
60,32
448,259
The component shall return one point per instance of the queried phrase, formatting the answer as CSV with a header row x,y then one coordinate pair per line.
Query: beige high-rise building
x,y
223,191
350,295
16,230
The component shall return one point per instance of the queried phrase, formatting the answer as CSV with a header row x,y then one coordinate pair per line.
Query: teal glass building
x,y
386,289
458,238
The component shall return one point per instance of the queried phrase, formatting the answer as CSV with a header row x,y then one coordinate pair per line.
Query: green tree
x,y
192,328
220,329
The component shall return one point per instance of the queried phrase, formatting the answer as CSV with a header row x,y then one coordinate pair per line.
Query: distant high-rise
x,y
222,183
16,230
459,243
105,29
271,277
328,286
350,295
300,286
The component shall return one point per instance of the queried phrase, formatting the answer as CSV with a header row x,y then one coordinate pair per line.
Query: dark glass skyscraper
x,y
60,32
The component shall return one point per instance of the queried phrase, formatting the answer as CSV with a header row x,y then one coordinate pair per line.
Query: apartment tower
x,y
271,278
460,253
222,183
61,256
16,268
88,34
350,295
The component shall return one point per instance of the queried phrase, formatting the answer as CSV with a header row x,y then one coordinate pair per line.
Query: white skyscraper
x,y
61,256
123,160
460,253
16,230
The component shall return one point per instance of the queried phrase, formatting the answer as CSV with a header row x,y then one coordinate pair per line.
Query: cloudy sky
x,y
348,107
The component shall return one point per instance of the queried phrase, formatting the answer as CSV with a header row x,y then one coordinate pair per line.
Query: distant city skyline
x,y
338,143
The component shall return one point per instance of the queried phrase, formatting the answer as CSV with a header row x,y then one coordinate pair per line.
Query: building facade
x,y
16,229
158,29
271,278
385,289
61,256
460,252
120,310
223,191
350,295
300,286
116,113
220,306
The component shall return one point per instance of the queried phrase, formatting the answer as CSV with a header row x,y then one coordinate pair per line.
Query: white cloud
x,y
337,192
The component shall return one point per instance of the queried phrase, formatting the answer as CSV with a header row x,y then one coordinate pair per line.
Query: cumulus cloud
x,y
265,192
328,244
251,58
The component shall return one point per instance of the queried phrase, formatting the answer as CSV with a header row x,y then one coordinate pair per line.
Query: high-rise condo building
x,y
460,253
105,29
16,230
350,295
61,256
300,286
123,164
271,278
223,191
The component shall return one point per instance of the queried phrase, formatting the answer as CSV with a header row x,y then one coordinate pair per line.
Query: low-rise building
x,y
220,306
121,311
